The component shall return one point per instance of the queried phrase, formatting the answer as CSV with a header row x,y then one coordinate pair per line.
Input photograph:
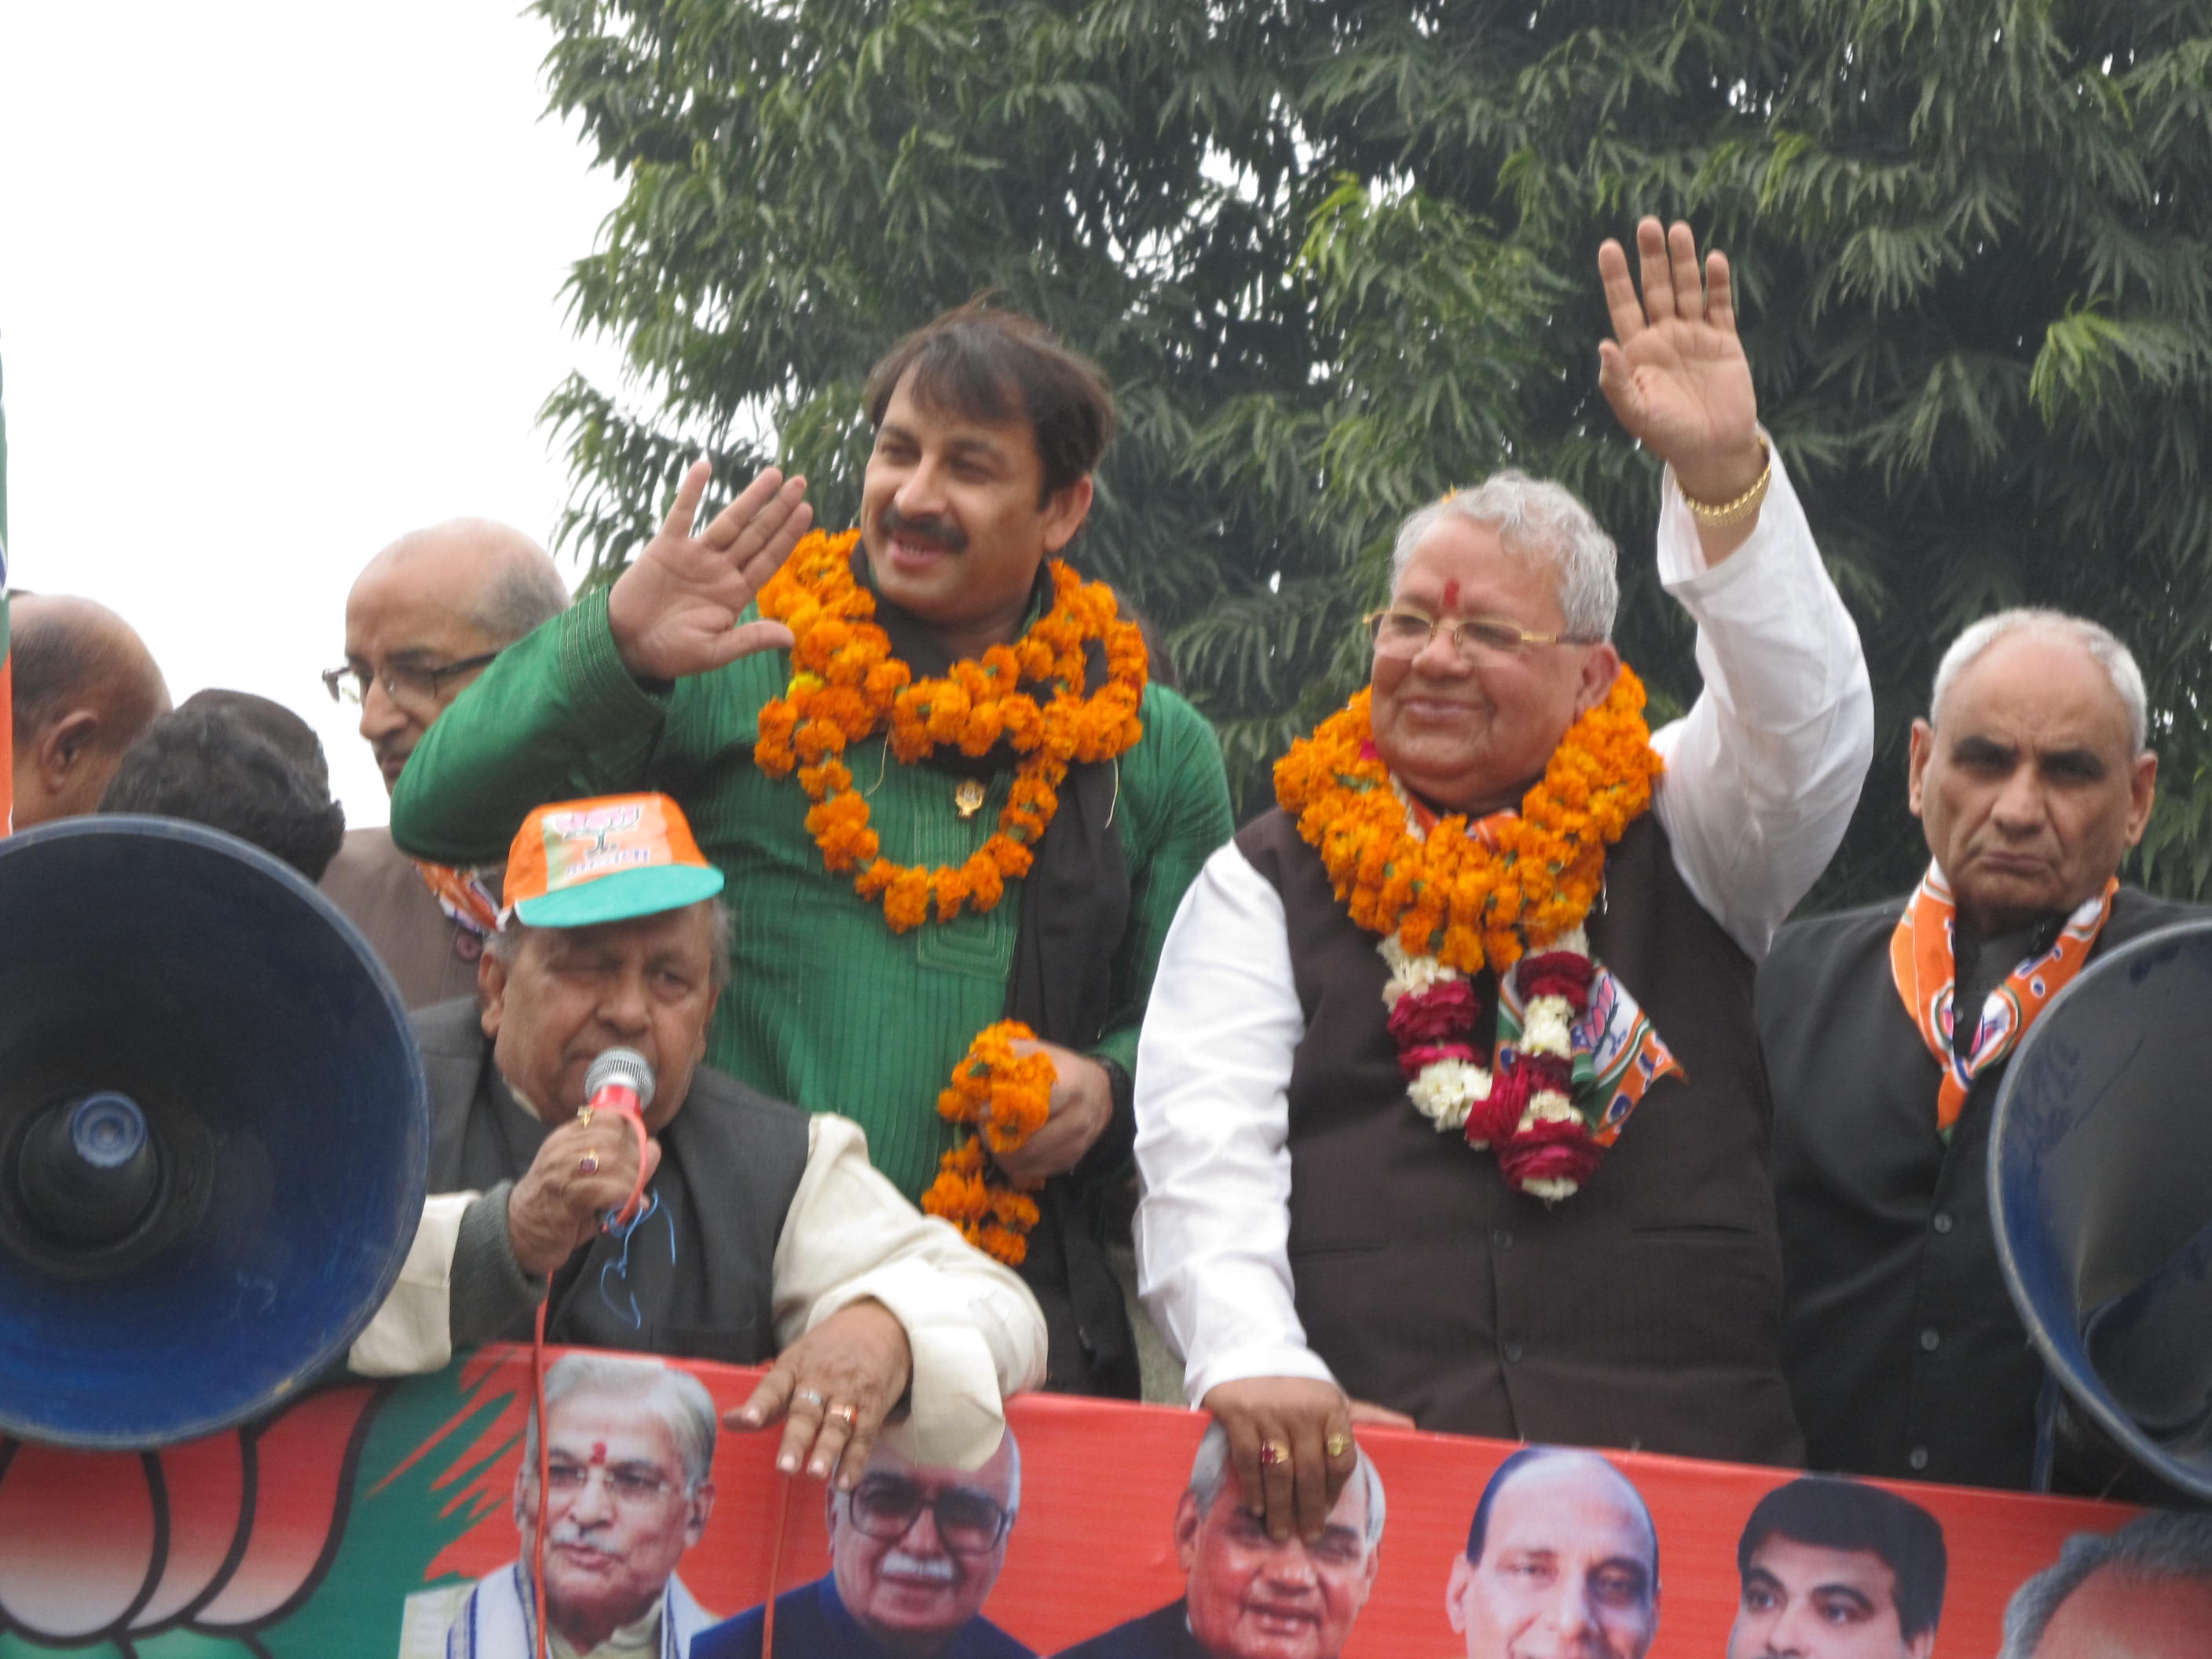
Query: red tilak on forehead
x,y
1451,594
598,1452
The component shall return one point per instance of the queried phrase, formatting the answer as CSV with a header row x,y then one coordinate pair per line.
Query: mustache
x,y
933,530
917,1566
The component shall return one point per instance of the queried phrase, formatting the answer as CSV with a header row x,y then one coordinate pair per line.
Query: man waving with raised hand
x,y
1451,1106
933,769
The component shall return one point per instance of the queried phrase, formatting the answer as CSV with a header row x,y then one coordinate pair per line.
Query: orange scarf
x,y
1922,963
462,895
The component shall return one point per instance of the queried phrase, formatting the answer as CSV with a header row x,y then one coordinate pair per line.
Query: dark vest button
x,y
1513,1354
1942,1222
1501,1239
1930,1341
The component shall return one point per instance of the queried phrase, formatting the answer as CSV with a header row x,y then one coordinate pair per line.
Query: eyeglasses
x,y
1475,638
886,1506
625,1484
408,684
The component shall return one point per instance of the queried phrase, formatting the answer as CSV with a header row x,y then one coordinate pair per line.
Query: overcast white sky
x,y
278,281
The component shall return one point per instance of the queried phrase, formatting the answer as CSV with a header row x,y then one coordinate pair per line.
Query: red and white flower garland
x,y
1523,1106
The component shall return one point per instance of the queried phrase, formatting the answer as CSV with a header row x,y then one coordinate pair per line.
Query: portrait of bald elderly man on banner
x,y
1561,1559
914,1550
629,1455
2143,1592
1248,1596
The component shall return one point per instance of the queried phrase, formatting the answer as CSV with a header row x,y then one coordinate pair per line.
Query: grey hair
x,y
677,1398
522,596
513,933
1540,523
2102,645
1209,1473
2162,1544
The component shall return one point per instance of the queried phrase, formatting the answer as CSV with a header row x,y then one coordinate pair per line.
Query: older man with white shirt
x,y
1385,1089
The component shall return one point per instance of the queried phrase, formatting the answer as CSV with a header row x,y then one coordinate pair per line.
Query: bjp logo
x,y
220,1537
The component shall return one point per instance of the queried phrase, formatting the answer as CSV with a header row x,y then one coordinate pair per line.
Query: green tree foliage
x,y
1338,255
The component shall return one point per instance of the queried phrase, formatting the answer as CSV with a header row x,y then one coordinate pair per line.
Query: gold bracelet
x,y
1728,513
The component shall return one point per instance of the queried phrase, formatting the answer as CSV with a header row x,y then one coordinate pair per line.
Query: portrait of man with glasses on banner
x,y
914,1553
631,1453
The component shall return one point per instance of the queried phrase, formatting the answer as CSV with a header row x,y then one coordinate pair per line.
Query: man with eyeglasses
x,y
1382,1179
1248,1595
914,1552
629,1453
425,617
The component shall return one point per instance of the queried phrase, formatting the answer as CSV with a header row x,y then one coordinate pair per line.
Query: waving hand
x,y
675,611
1674,371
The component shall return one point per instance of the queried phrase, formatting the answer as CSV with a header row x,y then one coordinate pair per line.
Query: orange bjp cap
x,y
608,859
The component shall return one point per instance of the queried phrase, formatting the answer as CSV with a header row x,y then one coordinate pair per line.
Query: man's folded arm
x,y
1763,772
973,1330
1213,1125
557,717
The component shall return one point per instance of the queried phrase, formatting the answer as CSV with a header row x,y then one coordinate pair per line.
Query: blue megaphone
x,y
2101,1193
213,1132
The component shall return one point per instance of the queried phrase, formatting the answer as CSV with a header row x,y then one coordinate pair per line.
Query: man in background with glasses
x,y
425,617
914,1553
630,1455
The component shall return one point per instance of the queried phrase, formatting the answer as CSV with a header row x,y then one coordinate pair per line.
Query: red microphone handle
x,y
622,1100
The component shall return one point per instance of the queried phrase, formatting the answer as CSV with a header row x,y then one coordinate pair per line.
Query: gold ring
x,y
584,1116
1339,1444
1273,1452
588,1164
848,1415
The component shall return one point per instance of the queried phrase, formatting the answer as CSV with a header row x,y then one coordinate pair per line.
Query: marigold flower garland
x,y
845,687
1006,1097
1509,893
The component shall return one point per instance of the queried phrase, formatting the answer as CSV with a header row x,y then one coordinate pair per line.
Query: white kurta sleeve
x,y
412,1332
973,1330
1763,773
1212,1124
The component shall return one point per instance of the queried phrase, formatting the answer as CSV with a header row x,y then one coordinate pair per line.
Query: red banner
x,y
382,1520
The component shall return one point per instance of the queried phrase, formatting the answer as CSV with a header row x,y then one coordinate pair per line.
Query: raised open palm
x,y
1674,371
675,611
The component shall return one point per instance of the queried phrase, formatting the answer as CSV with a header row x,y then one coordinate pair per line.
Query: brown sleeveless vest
x,y
1643,1312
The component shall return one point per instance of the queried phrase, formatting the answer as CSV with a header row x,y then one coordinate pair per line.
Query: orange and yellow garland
x,y
1472,901
1006,1097
845,687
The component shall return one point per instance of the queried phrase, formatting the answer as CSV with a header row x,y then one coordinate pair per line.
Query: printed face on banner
x,y
1568,1570
2116,1615
1815,1602
621,1515
1249,1597
915,1549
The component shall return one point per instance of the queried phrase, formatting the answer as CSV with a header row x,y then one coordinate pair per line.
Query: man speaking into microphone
x,y
759,1232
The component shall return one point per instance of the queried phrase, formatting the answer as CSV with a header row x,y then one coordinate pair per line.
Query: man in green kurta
x,y
987,435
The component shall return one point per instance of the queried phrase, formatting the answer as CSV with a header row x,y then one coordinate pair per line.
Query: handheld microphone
x,y
621,1081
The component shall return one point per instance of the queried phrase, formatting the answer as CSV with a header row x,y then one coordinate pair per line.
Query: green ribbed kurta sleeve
x,y
827,1007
